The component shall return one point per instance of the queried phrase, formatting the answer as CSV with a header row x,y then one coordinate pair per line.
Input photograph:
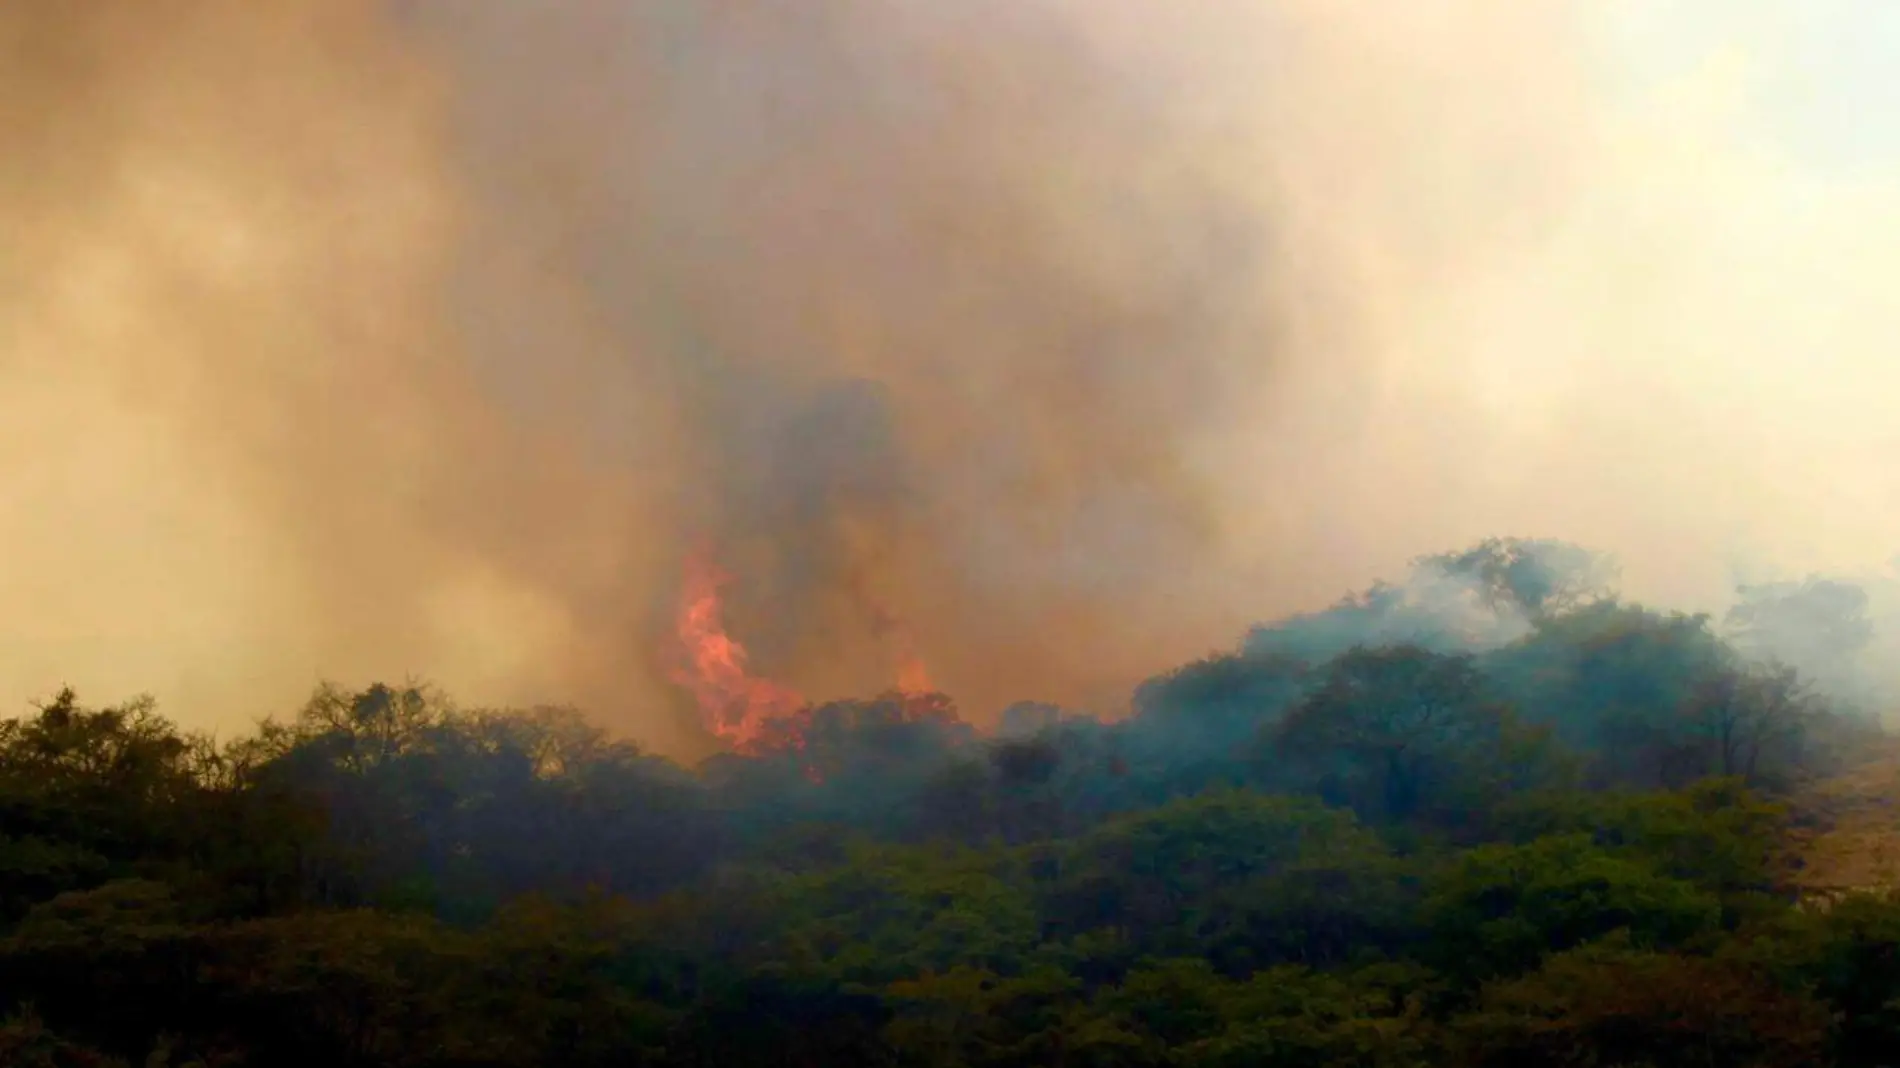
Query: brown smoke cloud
x,y
354,340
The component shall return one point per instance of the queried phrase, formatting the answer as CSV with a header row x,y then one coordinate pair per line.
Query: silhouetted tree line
x,y
1526,823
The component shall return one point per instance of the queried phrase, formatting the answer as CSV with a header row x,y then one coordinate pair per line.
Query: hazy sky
x,y
1753,213
1823,85
1080,333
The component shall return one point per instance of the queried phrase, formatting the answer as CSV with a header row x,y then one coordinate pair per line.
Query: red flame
x,y
750,713
912,676
735,705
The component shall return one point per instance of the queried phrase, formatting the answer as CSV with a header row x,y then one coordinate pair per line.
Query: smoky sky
x,y
919,310
358,340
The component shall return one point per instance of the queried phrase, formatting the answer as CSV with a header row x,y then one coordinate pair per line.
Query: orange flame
x,y
735,705
751,714
912,676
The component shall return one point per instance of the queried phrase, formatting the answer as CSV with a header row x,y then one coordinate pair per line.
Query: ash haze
x,y
352,340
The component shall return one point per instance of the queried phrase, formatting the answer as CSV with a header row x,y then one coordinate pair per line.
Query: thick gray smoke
x,y
356,339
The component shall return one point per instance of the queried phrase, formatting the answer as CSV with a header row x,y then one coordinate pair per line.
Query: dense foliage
x,y
1542,829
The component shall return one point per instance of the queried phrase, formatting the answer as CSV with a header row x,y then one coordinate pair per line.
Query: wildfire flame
x,y
734,705
750,713
912,676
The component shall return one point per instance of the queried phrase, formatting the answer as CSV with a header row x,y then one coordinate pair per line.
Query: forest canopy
x,y
1492,815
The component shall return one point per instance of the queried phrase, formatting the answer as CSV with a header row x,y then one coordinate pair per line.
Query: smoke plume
x,y
1057,339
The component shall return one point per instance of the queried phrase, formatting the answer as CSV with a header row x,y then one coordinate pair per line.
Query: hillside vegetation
x,y
1530,824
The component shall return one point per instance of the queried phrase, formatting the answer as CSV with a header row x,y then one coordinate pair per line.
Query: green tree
x,y
1500,909
1848,955
1819,623
1753,722
1291,1018
1245,878
1391,730
1614,1005
1615,682
1537,577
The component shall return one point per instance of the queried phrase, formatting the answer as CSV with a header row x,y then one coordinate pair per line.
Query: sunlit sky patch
x,y
1822,77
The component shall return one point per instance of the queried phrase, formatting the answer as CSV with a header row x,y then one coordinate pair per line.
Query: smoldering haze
x,y
353,340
